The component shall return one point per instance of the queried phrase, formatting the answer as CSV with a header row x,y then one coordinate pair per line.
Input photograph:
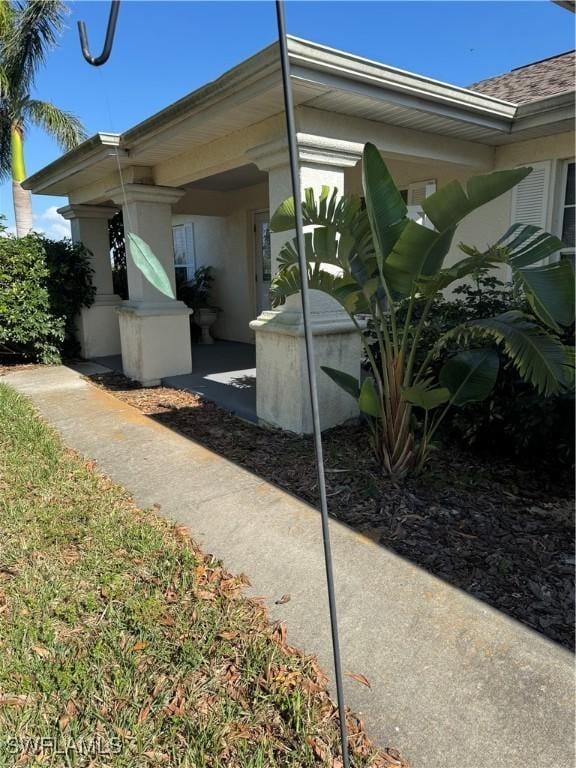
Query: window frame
x,y
570,251
189,238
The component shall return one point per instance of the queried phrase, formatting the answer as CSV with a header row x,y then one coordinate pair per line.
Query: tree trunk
x,y
21,197
22,209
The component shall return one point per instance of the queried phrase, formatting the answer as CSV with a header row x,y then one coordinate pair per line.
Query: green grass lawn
x,y
121,644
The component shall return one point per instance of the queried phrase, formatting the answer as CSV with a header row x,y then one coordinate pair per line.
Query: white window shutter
x,y
531,198
417,193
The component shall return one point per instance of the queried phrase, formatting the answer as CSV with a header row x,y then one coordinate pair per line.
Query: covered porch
x,y
197,183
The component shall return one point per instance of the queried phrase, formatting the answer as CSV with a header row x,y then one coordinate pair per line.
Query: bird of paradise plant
x,y
372,259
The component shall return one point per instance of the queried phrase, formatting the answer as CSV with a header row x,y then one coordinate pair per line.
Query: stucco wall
x,y
487,224
224,240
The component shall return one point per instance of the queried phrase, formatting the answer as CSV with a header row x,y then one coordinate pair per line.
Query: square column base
x,y
98,328
282,389
155,340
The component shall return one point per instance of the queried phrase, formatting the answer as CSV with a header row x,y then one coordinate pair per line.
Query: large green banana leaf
x,y
425,395
550,292
541,359
461,269
407,257
470,376
527,244
348,383
368,400
365,393
521,245
386,209
450,204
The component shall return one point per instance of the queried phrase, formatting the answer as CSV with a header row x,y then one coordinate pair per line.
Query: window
x,y
414,196
568,213
184,252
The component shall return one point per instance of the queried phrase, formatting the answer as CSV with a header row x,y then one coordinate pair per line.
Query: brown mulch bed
x,y
501,533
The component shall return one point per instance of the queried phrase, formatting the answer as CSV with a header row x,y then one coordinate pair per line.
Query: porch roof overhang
x,y
93,159
324,79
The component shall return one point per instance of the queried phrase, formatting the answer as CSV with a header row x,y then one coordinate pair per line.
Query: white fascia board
x,y
90,153
546,112
242,77
337,69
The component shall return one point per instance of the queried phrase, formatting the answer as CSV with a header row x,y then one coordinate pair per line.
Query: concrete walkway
x,y
455,684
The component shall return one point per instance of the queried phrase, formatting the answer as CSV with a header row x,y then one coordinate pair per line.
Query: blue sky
x,y
164,50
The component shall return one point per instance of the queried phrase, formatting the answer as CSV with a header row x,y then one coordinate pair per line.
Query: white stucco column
x,y
98,329
322,162
282,392
154,329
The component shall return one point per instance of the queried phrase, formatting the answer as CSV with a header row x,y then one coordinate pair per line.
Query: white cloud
x,y
51,223
9,230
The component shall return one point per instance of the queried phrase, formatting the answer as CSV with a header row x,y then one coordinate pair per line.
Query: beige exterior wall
x,y
487,224
484,226
223,237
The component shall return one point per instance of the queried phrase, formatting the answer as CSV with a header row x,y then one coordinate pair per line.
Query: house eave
x,y
318,73
54,179
260,65
545,117
332,68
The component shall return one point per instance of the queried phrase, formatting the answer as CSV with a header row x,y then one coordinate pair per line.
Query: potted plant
x,y
195,293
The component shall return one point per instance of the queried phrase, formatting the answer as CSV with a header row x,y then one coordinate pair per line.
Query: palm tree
x,y
28,31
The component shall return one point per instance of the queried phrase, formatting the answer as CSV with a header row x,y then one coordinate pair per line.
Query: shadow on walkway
x,y
493,530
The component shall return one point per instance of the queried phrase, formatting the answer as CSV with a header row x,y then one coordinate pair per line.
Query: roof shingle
x,y
532,81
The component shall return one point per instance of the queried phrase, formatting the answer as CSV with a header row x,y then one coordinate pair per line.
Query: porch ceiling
x,y
237,178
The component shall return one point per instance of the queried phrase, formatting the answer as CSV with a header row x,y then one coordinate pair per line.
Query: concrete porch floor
x,y
223,372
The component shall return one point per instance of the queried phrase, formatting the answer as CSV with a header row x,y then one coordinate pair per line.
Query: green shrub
x,y
514,420
69,284
27,324
43,285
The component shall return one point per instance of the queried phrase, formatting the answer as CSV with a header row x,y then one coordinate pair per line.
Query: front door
x,y
262,259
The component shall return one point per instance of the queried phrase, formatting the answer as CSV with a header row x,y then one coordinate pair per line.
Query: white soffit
x,y
94,159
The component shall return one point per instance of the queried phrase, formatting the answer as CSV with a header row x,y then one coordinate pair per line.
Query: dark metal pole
x,y
309,339
310,360
97,61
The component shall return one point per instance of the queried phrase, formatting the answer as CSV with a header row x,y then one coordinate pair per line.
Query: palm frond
x,y
33,30
328,210
6,12
540,358
343,288
65,127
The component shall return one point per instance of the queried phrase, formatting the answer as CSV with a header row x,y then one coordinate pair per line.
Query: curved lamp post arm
x,y
97,61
